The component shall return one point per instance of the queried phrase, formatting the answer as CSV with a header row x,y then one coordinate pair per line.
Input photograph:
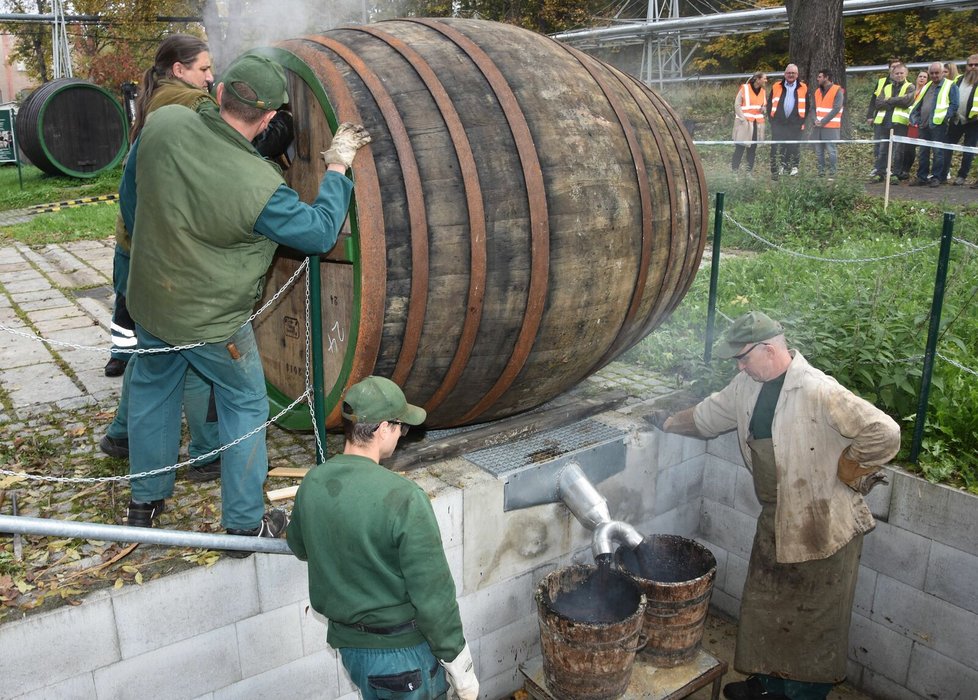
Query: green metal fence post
x,y
316,324
711,309
935,328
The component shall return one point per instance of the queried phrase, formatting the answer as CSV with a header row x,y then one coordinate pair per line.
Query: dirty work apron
x,y
794,618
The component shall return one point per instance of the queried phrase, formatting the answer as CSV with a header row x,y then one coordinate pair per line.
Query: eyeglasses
x,y
402,425
973,65
747,352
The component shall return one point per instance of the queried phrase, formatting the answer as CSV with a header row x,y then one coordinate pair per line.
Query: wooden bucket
x,y
72,127
524,214
676,575
590,623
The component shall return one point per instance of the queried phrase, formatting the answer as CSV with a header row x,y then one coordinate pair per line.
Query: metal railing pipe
x,y
45,527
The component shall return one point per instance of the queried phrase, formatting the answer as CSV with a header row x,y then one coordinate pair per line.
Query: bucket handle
x,y
642,642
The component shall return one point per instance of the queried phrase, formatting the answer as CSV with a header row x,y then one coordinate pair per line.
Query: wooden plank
x,y
282,494
289,472
500,432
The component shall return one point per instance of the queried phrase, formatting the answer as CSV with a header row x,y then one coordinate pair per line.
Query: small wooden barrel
x,y
590,620
524,214
676,575
72,127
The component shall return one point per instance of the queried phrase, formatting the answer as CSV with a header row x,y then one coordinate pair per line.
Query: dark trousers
x,y
955,134
751,151
898,156
937,132
785,156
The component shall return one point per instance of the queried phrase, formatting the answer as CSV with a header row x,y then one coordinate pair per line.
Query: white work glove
x,y
461,675
346,142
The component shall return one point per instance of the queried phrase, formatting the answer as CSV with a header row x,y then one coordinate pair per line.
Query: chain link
x,y
305,396
823,259
964,242
958,365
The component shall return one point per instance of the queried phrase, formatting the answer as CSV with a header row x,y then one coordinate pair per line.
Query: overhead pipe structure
x,y
742,20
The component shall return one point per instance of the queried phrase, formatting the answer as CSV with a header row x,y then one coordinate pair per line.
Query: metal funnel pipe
x,y
581,497
608,533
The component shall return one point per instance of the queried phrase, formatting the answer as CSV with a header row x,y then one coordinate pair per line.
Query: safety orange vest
x,y
823,105
752,104
801,91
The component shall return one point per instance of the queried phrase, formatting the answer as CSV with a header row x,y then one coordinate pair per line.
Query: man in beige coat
x,y
812,447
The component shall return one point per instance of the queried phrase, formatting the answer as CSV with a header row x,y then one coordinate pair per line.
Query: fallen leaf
x,y
119,583
78,432
139,578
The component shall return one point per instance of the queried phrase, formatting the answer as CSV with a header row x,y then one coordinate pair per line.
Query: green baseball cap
x,y
753,327
377,399
266,78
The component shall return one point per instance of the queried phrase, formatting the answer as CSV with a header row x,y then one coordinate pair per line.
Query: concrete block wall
x,y
914,631
244,629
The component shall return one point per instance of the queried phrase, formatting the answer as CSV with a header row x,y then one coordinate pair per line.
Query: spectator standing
x,y
873,109
377,568
892,112
913,131
932,108
749,119
963,124
829,101
204,233
786,110
813,449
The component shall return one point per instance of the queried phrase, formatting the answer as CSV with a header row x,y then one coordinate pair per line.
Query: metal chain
x,y
964,242
153,472
155,351
959,366
822,259
305,396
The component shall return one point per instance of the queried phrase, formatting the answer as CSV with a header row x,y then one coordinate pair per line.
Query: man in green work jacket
x,y
377,569
207,212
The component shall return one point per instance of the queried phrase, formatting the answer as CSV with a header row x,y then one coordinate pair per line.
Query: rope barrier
x,y
802,141
934,144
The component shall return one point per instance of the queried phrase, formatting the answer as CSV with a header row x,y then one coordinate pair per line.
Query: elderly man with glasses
x,y
814,448
377,568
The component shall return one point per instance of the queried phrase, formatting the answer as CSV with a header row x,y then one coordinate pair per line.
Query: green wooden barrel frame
x,y
99,134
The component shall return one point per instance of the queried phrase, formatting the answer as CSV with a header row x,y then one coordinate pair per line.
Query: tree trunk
x,y
815,41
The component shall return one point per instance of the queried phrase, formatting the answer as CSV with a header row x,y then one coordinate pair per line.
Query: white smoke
x,y
234,26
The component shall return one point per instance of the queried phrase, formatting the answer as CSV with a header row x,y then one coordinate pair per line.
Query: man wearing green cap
x,y
377,569
813,448
207,213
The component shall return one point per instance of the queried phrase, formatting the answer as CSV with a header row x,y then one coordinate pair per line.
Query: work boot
x,y
115,367
204,472
143,514
750,689
114,447
273,525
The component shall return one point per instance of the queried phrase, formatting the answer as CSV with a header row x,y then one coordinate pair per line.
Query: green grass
x,y
40,188
91,222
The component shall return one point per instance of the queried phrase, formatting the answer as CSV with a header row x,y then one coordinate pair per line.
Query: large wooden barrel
x,y
524,214
72,127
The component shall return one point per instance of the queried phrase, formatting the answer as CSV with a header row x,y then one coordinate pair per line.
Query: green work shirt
x,y
375,557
